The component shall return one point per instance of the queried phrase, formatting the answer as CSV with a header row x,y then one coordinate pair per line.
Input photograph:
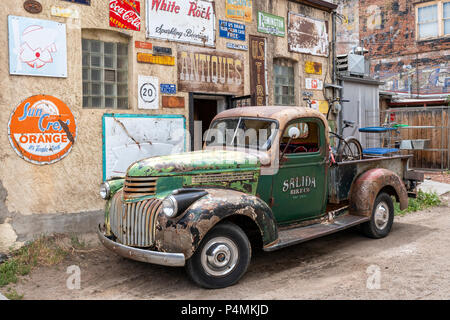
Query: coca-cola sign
x,y
125,14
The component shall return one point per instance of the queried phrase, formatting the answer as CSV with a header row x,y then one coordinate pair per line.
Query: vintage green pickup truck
x,y
264,179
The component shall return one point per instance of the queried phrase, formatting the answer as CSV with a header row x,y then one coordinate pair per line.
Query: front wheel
x,y
382,218
222,257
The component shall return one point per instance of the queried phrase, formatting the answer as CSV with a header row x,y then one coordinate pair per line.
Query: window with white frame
x,y
433,19
105,74
284,82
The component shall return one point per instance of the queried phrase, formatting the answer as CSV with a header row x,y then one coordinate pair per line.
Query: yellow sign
x,y
239,10
312,67
149,58
323,107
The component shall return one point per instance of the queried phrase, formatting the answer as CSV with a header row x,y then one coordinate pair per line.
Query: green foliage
x,y
12,294
424,200
47,250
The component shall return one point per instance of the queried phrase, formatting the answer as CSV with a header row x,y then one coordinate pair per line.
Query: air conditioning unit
x,y
351,64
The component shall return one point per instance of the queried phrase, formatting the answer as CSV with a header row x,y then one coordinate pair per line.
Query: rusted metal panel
x,y
185,234
307,35
172,102
258,81
312,67
211,71
367,187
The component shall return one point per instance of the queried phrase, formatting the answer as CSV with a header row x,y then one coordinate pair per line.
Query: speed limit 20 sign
x,y
148,91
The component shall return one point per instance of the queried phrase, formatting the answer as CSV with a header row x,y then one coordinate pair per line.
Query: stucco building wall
x,y
63,196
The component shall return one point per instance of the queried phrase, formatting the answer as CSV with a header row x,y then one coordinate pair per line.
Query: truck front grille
x,y
134,223
135,187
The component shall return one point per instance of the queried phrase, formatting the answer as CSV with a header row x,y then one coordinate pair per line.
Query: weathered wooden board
x,y
210,71
258,70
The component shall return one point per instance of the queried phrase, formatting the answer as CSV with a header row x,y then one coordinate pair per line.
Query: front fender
x,y
368,185
185,233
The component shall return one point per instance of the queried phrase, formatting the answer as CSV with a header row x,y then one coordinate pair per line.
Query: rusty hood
x,y
194,163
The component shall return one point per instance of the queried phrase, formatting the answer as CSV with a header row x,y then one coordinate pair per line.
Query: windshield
x,y
243,132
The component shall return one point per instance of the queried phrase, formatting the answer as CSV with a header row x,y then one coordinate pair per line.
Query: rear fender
x,y
368,185
185,233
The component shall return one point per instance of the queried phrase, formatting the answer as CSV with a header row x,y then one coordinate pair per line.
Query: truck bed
x,y
343,174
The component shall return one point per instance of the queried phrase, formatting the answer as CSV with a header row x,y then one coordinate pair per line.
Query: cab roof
x,y
283,114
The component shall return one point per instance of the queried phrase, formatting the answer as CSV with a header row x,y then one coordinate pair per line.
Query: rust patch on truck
x,y
367,187
185,233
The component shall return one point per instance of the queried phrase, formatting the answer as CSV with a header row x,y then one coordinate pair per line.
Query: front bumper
x,y
155,257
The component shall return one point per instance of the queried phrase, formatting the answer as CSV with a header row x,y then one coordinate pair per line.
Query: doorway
x,y
203,109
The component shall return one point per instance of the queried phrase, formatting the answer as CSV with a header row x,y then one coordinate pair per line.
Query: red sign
x,y
143,45
42,129
125,14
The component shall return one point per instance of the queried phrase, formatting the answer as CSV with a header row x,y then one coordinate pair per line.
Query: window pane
x,y
446,10
95,46
428,14
101,78
95,75
428,30
109,48
447,26
96,102
96,89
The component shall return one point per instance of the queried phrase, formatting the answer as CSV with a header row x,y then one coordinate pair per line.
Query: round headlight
x,y
105,190
170,206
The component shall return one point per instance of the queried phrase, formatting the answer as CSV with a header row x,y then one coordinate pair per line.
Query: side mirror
x,y
294,133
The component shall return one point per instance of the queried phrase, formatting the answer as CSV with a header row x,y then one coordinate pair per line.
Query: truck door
x,y
299,189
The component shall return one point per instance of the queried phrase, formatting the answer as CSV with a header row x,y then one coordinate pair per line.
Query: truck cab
x,y
264,179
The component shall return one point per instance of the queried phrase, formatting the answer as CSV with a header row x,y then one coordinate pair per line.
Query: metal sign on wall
x,y
182,21
207,70
258,70
232,30
131,137
313,84
307,35
86,2
125,14
148,92
239,10
42,129
271,24
37,47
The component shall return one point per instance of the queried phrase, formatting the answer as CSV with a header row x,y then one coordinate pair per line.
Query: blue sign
x,y
168,88
243,47
232,30
87,2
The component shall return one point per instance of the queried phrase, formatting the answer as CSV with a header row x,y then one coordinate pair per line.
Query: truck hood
x,y
194,163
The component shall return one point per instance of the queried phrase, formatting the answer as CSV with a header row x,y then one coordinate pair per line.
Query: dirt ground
x,y
413,262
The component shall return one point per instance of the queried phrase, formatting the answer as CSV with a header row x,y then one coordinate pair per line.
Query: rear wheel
x,y
222,257
350,150
382,218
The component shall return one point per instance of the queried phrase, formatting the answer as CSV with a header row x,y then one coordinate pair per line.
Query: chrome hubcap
x,y
219,256
381,215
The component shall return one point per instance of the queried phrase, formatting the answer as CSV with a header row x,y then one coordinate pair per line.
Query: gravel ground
x,y
413,262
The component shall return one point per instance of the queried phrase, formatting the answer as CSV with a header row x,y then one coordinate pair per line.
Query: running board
x,y
301,234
